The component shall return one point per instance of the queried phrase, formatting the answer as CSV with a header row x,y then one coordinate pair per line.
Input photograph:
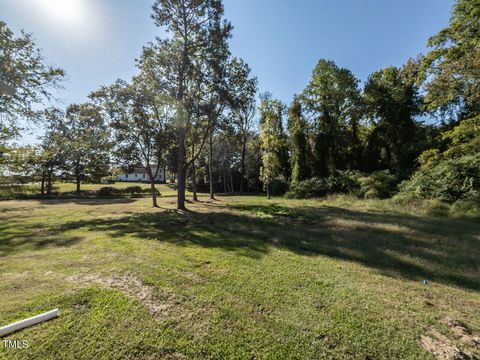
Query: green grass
x,y
242,277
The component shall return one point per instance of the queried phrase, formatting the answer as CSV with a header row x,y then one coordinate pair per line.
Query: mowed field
x,y
241,277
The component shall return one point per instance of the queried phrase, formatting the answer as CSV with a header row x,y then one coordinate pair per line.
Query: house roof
x,y
139,170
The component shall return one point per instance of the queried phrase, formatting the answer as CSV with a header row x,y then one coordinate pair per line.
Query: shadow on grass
x,y
87,201
16,237
398,245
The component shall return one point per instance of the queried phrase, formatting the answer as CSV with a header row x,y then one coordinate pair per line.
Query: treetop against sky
x,y
97,41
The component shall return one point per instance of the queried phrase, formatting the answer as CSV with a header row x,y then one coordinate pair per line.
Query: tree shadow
x,y
439,249
87,201
15,237
398,245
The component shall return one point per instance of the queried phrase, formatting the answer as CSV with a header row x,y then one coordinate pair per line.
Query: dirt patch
x,y
133,288
81,305
463,332
443,348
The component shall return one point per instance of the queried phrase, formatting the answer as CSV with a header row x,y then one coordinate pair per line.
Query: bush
x,y
133,190
380,184
108,191
449,181
314,187
467,207
346,182
278,187
148,191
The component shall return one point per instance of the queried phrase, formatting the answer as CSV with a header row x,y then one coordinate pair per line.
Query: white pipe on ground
x,y
22,324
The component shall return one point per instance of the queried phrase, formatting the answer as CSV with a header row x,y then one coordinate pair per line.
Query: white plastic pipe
x,y
22,324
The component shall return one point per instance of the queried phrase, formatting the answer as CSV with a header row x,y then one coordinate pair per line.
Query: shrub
x,y
278,187
108,191
148,191
314,187
133,190
380,184
449,181
346,182
467,207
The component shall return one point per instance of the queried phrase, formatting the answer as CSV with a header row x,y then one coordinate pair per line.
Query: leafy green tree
x,y
272,140
299,146
392,102
463,140
197,41
24,69
243,89
86,141
141,122
253,161
52,150
451,68
332,103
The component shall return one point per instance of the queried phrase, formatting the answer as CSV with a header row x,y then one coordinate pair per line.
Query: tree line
x,y
192,108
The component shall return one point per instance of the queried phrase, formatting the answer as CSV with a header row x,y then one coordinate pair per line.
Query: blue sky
x,y
96,41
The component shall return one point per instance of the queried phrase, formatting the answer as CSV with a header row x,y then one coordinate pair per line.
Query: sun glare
x,y
73,16
65,11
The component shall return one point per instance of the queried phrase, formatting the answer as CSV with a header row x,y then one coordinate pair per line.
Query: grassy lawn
x,y
242,277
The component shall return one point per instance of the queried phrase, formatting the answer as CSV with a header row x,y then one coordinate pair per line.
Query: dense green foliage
x,y
300,150
450,180
332,104
24,69
451,68
379,184
192,108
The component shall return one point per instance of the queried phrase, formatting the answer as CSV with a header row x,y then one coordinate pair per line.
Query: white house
x,y
139,174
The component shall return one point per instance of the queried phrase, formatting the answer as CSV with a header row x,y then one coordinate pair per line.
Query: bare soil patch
x,y
443,348
132,287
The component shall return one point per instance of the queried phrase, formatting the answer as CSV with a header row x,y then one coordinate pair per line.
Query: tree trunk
x,y
194,176
49,182
244,152
77,179
181,172
210,167
152,186
224,183
231,182
154,194
268,190
257,182
42,189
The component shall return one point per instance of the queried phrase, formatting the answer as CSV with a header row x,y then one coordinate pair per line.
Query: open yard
x,y
242,277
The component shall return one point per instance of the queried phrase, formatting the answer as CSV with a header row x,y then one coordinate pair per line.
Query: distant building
x,y
139,174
